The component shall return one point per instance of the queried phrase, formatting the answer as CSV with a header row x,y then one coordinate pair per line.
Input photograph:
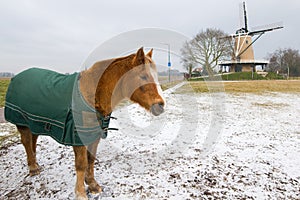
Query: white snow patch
x,y
5,133
256,155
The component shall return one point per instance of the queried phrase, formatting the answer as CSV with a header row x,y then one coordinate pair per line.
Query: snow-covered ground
x,y
205,146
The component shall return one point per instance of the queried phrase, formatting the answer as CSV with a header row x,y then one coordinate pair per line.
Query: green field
x,y
242,76
3,87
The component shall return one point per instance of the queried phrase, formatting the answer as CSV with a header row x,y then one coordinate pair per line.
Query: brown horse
x,y
103,86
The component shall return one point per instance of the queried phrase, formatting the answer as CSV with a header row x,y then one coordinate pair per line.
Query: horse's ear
x,y
140,56
150,53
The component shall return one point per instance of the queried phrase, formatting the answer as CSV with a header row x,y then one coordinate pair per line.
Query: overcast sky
x,y
60,34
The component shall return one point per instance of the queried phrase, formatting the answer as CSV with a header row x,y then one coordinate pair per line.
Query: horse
x,y
101,87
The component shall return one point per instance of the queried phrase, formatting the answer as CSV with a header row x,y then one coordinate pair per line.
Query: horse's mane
x,y
99,67
104,64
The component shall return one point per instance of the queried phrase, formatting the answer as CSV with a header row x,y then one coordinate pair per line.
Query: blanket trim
x,y
103,120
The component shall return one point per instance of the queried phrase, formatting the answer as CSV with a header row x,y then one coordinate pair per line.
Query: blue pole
x,y
169,62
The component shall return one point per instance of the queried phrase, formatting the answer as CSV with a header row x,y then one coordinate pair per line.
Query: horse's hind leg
x,y
94,187
29,142
34,141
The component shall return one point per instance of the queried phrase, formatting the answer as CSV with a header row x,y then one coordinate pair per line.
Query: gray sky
x,y
60,34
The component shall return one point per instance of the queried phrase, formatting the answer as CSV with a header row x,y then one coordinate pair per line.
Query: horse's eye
x,y
143,77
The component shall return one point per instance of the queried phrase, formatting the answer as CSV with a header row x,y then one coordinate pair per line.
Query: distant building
x,y
243,55
197,72
245,62
6,75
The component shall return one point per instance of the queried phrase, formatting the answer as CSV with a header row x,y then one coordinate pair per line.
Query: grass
x,y
256,86
243,86
166,86
250,76
240,76
12,138
3,87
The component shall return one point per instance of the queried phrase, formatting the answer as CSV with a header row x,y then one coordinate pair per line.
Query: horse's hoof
x,y
34,172
95,189
81,196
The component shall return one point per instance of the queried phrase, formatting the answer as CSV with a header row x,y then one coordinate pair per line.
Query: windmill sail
x,y
266,28
243,19
241,12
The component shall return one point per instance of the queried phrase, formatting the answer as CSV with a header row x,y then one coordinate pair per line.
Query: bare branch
x,y
206,49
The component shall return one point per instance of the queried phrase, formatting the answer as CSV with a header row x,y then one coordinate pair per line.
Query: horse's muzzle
x,y
157,109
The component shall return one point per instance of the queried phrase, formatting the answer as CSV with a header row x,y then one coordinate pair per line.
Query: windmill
x,y
243,54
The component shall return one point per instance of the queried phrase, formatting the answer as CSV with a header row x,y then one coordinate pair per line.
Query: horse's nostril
x,y
157,108
161,104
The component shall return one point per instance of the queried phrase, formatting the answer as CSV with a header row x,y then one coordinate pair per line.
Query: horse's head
x,y
140,83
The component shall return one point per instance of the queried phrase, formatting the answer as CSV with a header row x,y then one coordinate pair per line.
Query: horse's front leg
x,y
94,187
81,166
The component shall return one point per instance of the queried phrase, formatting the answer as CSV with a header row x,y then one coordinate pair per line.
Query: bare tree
x,y
206,49
285,61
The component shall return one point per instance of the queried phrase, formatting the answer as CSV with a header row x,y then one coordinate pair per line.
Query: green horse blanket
x,y
50,103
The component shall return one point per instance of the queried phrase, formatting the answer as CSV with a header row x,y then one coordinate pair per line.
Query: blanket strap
x,y
104,123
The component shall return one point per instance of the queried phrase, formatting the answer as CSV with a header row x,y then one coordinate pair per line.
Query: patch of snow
x,y
5,133
255,155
